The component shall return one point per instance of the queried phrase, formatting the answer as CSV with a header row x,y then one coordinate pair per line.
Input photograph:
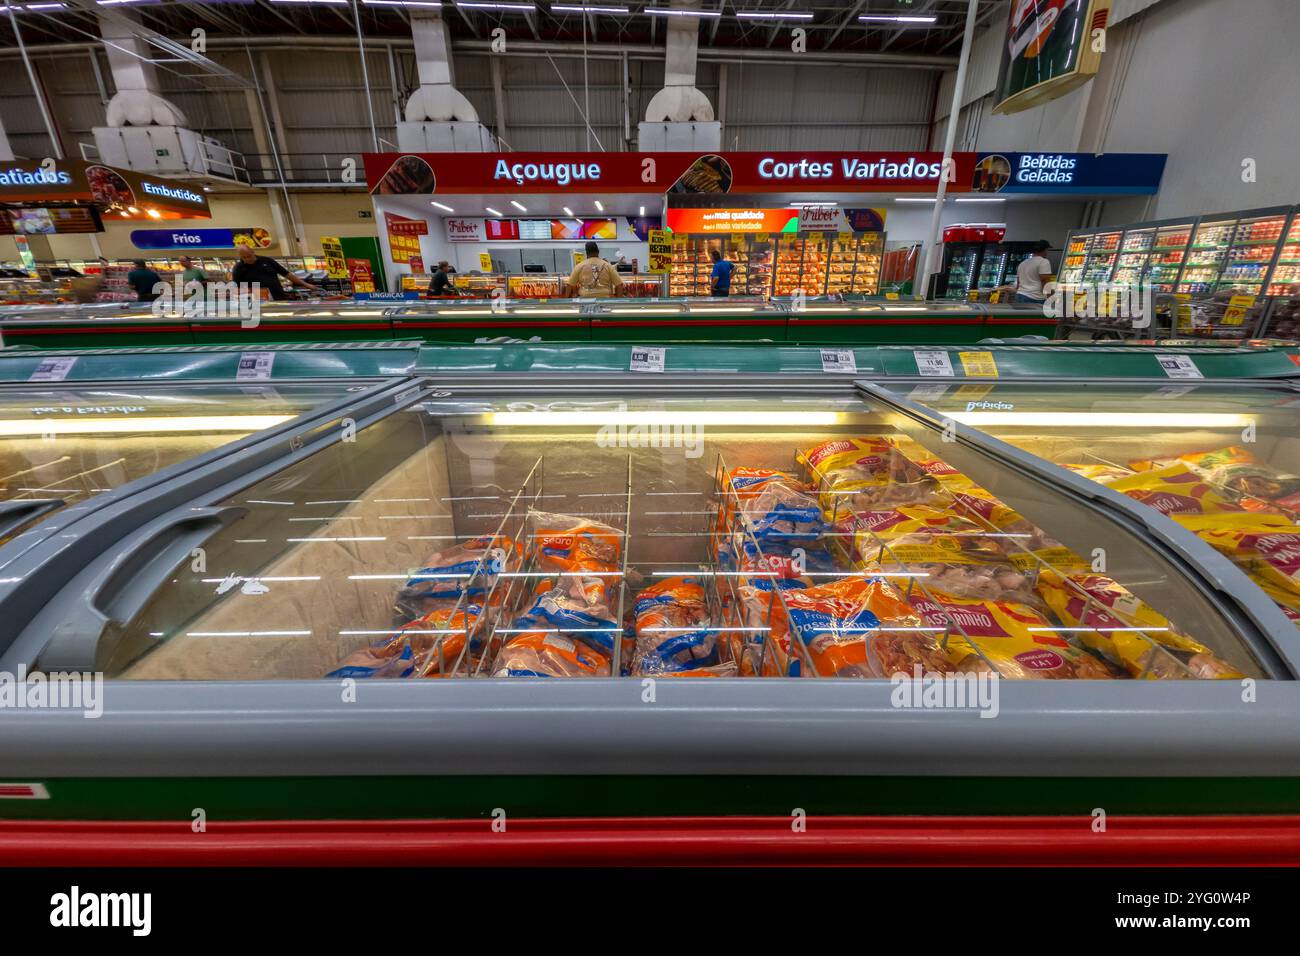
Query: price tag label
x,y
53,369
1179,366
647,358
978,364
839,360
891,296
1238,306
933,364
255,366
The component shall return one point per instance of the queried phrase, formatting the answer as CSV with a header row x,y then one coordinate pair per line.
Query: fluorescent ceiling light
x,y
567,210
401,3
443,206
891,18
573,8
805,205
335,3
912,199
516,7
495,212
518,205
962,199
761,15
599,206
641,211
662,12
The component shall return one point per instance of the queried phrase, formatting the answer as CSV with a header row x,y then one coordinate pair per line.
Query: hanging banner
x,y
702,221
404,236
253,237
661,251
1050,48
336,266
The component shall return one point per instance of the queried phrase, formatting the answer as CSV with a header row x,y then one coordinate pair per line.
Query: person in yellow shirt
x,y
593,276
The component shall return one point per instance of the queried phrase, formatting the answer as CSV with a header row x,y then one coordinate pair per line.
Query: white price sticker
x,y
839,360
255,366
53,369
933,364
1179,366
647,358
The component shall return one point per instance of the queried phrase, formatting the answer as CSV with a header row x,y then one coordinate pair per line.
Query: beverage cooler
x,y
647,603
975,259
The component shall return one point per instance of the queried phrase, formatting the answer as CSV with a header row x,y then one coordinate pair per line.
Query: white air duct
x,y
135,103
679,101
438,117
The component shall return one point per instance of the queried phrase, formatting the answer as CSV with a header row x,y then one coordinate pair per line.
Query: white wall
x,y
1209,82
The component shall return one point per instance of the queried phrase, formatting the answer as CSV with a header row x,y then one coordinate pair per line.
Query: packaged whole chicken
x,y
773,506
572,544
1014,638
547,654
467,569
1137,652
864,474
775,560
674,630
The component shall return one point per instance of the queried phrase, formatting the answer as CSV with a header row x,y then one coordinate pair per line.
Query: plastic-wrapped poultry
x,y
674,630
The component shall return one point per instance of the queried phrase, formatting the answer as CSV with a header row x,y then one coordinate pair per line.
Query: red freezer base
x,y
672,841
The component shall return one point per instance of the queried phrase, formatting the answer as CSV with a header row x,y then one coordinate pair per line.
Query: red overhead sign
x,y
685,173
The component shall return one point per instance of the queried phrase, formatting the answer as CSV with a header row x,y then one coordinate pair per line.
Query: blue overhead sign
x,y
183,238
1069,173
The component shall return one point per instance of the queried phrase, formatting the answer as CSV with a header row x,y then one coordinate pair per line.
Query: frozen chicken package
x,y
547,654
1163,652
469,569
674,629
429,646
770,505
864,474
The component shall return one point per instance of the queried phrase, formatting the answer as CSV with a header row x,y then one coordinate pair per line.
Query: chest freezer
x,y
720,656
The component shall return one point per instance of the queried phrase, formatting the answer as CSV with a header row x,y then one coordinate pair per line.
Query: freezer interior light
x,y
1105,419
121,426
664,418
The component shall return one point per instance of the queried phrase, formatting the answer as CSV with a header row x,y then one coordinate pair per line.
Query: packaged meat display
x,y
674,631
428,646
546,654
583,607
1016,639
1115,611
1265,546
959,565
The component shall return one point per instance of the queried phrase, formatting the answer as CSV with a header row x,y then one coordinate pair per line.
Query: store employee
x,y
441,284
266,272
1032,274
720,281
593,276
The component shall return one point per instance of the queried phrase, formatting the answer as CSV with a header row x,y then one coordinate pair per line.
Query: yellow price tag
x,y
738,238
844,236
1238,306
891,295
485,261
973,392
978,364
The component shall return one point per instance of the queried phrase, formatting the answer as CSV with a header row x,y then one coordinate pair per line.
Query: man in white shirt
x,y
1032,274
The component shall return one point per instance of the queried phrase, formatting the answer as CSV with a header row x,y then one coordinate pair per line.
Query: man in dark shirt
x,y
721,277
441,284
143,279
266,272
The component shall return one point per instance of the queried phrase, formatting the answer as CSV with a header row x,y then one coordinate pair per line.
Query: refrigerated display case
x,y
854,264
319,547
1285,279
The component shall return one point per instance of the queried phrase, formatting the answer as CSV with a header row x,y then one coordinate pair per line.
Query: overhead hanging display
x,y
120,193
1050,48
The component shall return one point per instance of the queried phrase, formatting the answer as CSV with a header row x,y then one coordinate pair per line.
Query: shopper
x,y
441,285
593,276
1032,274
192,273
720,281
266,272
143,280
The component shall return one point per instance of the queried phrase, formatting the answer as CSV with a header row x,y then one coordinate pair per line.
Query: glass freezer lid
x,y
63,444
1222,461
779,533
